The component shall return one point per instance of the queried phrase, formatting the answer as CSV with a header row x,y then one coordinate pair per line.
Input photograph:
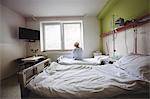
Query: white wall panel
x,y
125,41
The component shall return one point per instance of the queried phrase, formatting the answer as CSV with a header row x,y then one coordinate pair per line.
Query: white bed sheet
x,y
83,81
86,61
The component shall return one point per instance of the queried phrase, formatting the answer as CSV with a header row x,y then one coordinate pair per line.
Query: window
x,y
52,37
61,35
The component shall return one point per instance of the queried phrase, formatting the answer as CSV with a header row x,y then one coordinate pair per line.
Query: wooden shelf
x,y
138,22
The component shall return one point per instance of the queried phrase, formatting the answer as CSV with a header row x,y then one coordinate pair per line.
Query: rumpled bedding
x,y
86,61
84,81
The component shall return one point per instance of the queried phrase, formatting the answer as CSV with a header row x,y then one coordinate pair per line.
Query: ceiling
x,y
47,8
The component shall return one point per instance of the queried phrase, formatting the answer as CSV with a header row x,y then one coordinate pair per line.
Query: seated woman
x,y
77,52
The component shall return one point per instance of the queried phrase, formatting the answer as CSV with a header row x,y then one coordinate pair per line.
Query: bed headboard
x,y
29,73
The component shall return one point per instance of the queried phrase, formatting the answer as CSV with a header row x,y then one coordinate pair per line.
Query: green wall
x,y
127,9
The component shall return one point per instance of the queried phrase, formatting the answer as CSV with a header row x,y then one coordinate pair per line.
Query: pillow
x,y
101,57
136,65
122,62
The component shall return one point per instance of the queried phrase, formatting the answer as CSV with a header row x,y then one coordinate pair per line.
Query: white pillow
x,y
125,60
136,65
101,58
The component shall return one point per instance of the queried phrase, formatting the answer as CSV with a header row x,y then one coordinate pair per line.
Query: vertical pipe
x,y
135,40
113,30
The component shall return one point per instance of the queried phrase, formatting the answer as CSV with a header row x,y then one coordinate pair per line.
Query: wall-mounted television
x,y
29,34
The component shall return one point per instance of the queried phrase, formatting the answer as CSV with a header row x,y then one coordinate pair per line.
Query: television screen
x,y
30,34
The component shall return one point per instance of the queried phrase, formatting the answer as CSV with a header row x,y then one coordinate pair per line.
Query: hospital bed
x,y
97,60
127,76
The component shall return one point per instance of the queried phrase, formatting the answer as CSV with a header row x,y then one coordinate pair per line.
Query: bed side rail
x,y
29,73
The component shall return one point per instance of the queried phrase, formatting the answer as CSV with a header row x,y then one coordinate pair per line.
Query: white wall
x,y
125,42
11,47
90,36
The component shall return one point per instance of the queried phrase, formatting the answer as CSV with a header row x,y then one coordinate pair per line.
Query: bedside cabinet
x,y
96,54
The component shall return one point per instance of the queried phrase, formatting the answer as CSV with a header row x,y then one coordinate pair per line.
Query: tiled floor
x,y
10,88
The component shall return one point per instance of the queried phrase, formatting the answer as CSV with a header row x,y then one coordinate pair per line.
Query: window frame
x,y
42,33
